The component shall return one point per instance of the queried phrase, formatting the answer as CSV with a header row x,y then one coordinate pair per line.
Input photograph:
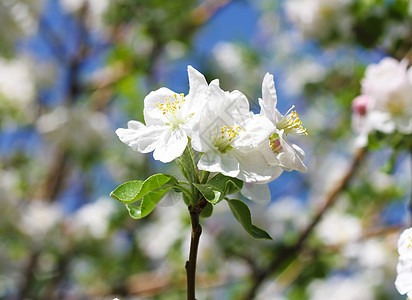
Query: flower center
x,y
275,144
410,242
228,134
172,110
395,106
291,123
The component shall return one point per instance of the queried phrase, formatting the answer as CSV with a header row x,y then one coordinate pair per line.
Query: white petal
x,y
171,145
403,281
152,114
269,101
405,244
222,163
269,98
258,193
135,125
238,108
291,157
198,84
256,130
253,167
139,137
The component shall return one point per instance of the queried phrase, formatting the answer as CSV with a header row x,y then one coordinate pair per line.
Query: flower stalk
x,y
190,266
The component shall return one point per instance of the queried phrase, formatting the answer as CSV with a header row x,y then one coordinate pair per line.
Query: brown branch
x,y
194,245
292,251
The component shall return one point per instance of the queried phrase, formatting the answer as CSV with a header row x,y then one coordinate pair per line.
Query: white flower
x,y
341,288
385,77
63,125
169,117
279,153
320,18
39,218
95,10
228,135
93,218
337,228
229,57
17,86
405,244
403,281
388,88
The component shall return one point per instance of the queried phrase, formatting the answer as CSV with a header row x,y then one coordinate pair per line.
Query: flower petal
x,y
403,281
139,137
257,129
198,84
405,244
152,114
171,145
254,167
258,193
269,99
216,162
291,157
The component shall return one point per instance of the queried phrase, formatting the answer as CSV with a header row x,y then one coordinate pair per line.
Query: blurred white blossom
x,y
75,128
337,228
300,74
403,281
95,10
338,287
369,254
39,218
386,102
159,236
284,214
228,57
320,18
17,85
93,218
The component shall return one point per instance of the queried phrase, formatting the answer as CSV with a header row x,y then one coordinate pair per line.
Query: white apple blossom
x,y
93,219
338,228
320,18
39,218
386,102
403,281
95,10
17,84
339,287
62,126
280,154
228,135
169,117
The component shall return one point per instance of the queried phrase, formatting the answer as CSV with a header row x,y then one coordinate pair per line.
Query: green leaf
x,y
218,187
147,205
207,211
211,193
229,185
132,191
242,213
187,165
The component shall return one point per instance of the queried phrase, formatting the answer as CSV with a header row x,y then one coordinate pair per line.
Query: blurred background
x,y
73,71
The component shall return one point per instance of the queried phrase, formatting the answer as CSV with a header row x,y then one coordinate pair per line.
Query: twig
x,y
194,245
292,251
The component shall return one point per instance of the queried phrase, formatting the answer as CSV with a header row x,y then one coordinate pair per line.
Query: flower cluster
x,y
320,18
385,104
218,124
403,281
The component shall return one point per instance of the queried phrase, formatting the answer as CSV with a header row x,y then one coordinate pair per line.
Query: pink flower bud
x,y
359,104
